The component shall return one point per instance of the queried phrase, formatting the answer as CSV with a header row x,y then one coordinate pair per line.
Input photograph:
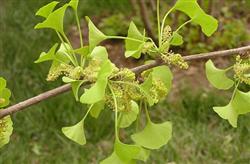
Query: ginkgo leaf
x,y
99,53
5,96
97,92
239,105
6,129
133,47
126,152
46,10
97,108
75,84
143,155
76,133
47,56
128,117
74,4
241,102
54,20
83,51
217,77
2,83
153,136
164,74
191,8
177,39
95,35
228,113
114,159
145,89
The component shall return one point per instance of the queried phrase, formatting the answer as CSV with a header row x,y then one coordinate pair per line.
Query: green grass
x,y
199,135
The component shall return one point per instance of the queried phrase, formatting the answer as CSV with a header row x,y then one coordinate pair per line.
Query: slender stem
x,y
79,28
124,38
88,112
158,22
138,118
69,56
116,110
80,36
164,21
184,24
67,40
235,89
146,110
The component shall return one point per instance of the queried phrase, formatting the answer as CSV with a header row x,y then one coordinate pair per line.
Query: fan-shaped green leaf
x,y
2,83
54,20
190,7
5,130
74,4
97,108
241,102
114,159
228,113
5,96
128,117
164,74
239,105
99,53
133,47
95,35
177,39
153,136
217,77
75,84
47,56
75,133
126,152
46,10
97,92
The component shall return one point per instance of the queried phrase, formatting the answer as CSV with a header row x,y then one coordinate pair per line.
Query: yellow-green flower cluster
x,y
174,59
242,70
62,69
158,90
167,34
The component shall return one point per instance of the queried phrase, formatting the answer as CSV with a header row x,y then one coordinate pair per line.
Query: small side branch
x,y
137,70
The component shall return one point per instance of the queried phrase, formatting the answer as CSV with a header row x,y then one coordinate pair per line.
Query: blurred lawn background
x,y
199,135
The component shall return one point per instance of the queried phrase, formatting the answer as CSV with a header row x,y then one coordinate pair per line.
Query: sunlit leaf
x,y
75,84
239,105
217,77
99,53
74,4
153,136
177,39
143,154
97,92
54,20
114,159
83,51
145,89
164,74
128,117
46,10
95,35
47,56
134,48
97,108
76,133
190,7
5,130
126,152
2,83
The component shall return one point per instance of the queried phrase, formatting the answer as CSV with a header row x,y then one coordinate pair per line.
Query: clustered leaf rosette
x,y
6,122
240,101
108,87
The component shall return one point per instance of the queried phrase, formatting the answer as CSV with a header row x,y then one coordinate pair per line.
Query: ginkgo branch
x,y
137,70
